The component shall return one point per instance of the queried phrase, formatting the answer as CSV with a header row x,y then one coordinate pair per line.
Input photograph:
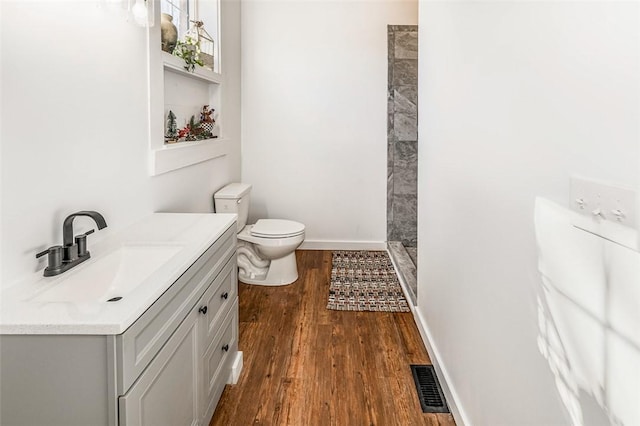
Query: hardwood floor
x,y
306,365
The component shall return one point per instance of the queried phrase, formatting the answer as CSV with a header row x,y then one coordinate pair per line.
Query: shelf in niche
x,y
182,154
175,64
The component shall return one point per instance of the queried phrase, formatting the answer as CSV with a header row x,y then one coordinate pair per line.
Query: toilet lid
x,y
276,228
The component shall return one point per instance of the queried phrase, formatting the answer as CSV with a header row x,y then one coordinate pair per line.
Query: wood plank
x,y
307,365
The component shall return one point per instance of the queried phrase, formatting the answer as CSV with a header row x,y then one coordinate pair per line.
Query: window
x,y
186,11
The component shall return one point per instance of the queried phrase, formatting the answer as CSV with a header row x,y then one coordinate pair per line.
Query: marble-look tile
x,y
405,217
405,169
403,259
405,268
405,209
402,105
411,242
405,151
405,178
389,210
391,41
390,120
406,45
391,147
405,95
392,234
402,133
405,127
397,28
389,204
413,254
406,235
405,72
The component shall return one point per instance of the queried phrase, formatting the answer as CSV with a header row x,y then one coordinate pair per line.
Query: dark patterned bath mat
x,y
365,281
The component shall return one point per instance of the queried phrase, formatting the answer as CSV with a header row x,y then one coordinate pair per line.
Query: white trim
x,y
236,369
175,156
342,245
450,394
175,64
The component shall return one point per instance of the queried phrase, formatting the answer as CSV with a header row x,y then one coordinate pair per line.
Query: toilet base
x,y
281,271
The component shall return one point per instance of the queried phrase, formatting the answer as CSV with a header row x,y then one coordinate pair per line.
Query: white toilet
x,y
266,250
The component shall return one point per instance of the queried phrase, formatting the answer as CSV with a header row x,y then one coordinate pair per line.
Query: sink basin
x,y
111,276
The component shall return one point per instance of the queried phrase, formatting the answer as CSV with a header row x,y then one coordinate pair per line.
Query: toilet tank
x,y
234,198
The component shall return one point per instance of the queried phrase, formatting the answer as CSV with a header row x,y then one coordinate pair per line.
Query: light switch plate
x,y
603,201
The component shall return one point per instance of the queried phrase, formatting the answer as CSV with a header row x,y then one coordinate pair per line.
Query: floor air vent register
x,y
429,391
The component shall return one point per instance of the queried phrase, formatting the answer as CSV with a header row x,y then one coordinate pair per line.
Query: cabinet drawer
x,y
137,346
218,298
217,360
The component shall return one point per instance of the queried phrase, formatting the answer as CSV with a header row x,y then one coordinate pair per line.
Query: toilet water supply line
x,y
248,262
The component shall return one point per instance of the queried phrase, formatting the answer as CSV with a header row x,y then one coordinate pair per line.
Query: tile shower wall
x,y
402,134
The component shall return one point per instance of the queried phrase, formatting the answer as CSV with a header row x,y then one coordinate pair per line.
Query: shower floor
x,y
405,260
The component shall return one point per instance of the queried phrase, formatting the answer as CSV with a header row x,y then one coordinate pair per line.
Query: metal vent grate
x,y
429,392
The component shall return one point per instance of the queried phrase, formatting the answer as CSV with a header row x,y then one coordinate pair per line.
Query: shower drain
x,y
429,391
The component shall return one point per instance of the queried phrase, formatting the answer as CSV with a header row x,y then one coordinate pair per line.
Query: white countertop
x,y
21,311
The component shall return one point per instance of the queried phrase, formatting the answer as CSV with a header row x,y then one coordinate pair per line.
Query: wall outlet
x,y
603,201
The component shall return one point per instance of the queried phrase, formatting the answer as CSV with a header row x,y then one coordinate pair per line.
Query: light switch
x,y
603,201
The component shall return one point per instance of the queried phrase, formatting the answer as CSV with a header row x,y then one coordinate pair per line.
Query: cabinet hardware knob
x,y
225,348
203,310
225,295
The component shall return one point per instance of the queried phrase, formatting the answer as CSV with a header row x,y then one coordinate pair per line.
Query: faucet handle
x,y
90,231
81,242
42,253
55,256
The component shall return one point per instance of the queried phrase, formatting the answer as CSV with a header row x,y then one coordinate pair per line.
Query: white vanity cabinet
x,y
168,368
182,384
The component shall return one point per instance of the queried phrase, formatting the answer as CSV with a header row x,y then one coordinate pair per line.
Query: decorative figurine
x,y
194,130
206,116
172,128
207,121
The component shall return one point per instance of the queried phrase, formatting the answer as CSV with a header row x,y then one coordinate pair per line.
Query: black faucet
x,y
62,258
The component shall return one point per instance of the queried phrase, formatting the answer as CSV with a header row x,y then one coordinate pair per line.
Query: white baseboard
x,y
342,245
236,369
453,401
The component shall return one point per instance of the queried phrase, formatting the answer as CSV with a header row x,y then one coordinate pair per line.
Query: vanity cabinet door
x,y
167,392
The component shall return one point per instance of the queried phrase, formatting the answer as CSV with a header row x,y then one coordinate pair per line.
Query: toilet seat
x,y
276,228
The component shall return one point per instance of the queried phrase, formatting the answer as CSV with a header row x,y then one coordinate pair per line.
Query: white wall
x,y
314,113
514,98
74,123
